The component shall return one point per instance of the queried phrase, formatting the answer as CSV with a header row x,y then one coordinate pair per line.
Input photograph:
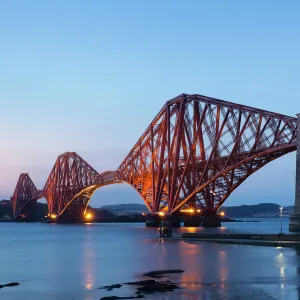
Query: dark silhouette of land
x,y
132,212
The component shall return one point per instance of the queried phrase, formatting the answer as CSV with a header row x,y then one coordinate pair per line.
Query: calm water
x,y
66,262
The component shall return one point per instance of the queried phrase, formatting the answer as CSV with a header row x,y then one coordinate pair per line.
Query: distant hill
x,y
256,210
103,215
125,207
266,209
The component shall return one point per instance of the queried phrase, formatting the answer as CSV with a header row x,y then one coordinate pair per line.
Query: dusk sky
x,y
89,76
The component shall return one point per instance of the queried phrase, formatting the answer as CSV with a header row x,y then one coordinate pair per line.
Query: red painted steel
x,y
198,150
70,176
24,193
195,153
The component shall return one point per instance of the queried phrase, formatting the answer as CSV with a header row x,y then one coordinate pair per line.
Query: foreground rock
x,y
9,284
159,274
158,287
153,286
141,282
118,298
110,287
148,286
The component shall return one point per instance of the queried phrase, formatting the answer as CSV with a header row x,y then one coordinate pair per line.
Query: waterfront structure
x,y
193,155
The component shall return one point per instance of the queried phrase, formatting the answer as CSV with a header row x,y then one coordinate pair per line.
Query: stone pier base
x,y
192,221
153,221
174,220
211,221
294,223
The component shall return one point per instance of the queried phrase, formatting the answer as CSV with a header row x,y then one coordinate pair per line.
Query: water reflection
x,y
71,262
195,274
281,263
88,261
223,265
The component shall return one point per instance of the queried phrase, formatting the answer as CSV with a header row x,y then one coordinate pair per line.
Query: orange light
x,y
198,210
222,214
161,213
88,216
192,210
53,216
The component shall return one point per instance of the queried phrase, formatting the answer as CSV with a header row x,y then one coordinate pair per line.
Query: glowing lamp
x,y
88,216
53,216
161,213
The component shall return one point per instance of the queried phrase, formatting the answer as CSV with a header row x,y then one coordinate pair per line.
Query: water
x,y
66,262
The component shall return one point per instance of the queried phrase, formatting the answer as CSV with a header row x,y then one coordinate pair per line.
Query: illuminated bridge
x,y
193,155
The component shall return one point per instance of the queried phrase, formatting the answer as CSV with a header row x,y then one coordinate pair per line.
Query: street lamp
x,y
281,208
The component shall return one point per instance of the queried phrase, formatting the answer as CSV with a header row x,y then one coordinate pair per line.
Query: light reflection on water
x,y
72,261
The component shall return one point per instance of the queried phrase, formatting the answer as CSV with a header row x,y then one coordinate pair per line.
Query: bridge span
x,y
193,155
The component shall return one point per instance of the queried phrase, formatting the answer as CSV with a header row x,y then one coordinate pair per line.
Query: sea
x,y
73,261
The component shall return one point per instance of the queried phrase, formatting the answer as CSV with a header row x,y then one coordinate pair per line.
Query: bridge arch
x,y
104,179
262,159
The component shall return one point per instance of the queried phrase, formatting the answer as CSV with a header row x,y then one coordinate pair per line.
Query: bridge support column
x,y
211,221
295,216
174,220
192,221
153,221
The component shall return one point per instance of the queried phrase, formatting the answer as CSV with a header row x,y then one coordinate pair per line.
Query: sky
x,y
89,76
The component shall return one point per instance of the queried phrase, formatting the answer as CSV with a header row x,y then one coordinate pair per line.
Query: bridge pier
x,y
155,220
174,220
192,221
295,216
211,220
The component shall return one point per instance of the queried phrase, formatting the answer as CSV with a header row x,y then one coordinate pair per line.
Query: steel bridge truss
x,y
195,153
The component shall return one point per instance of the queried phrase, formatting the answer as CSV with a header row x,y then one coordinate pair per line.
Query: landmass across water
x,y
132,212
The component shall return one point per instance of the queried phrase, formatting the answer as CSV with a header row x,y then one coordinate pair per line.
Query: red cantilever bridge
x,y
194,154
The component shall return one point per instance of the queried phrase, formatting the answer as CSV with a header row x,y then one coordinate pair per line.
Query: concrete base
x,y
192,221
174,220
211,221
153,221
294,223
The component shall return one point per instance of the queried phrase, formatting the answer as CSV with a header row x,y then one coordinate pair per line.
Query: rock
x,y
159,274
148,286
158,287
142,282
12,284
111,287
152,286
119,298
9,284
